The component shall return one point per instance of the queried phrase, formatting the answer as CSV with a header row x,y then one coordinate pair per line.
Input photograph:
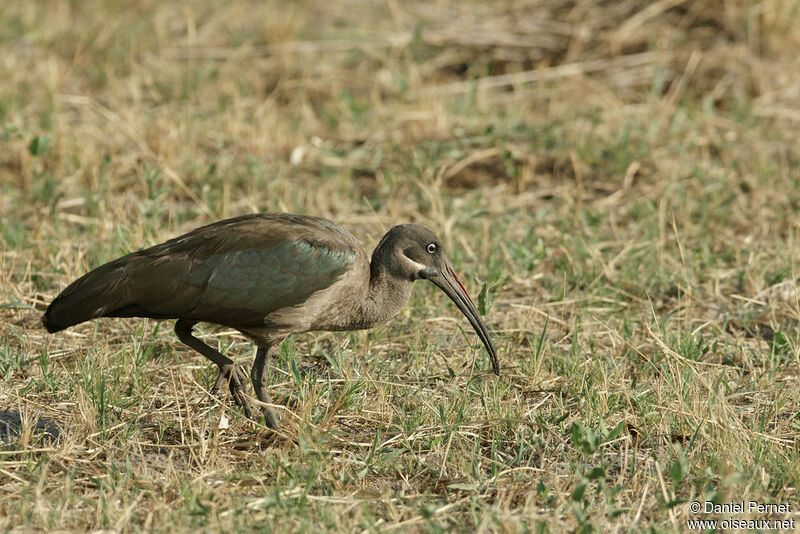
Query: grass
x,y
622,177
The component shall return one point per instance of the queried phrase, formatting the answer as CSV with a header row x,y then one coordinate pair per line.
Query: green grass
x,y
634,228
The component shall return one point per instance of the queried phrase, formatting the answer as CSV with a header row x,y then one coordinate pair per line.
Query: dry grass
x,y
624,173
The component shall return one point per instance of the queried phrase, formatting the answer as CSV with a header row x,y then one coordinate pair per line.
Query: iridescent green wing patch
x,y
243,286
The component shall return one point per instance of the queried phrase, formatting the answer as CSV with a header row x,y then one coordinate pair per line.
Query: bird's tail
x,y
95,294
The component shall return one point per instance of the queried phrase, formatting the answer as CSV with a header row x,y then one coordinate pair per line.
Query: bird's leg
x,y
234,376
259,377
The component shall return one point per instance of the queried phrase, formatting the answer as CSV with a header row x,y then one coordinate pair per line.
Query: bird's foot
x,y
235,378
270,417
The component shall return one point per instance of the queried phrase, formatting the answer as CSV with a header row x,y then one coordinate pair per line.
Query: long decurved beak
x,y
446,280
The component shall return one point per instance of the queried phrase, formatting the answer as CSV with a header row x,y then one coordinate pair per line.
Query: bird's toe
x,y
236,385
222,380
234,378
270,418
242,401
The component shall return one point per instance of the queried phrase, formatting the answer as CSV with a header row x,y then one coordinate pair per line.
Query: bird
x,y
267,275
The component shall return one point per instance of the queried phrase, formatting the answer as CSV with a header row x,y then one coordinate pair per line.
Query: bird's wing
x,y
233,273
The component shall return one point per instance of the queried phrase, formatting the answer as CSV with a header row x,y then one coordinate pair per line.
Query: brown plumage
x,y
268,276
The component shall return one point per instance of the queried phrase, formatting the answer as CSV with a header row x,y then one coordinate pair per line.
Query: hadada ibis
x,y
267,276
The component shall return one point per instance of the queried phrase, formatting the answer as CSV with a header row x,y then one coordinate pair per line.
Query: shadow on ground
x,y
12,426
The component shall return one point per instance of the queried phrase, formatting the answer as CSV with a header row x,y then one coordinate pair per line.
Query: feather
x,y
232,273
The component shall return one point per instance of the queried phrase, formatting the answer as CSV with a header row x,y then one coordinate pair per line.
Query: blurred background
x,y
115,113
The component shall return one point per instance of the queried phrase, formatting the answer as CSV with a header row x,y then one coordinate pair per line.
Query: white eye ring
x,y
432,248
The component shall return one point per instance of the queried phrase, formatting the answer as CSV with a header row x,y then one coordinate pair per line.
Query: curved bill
x,y
446,280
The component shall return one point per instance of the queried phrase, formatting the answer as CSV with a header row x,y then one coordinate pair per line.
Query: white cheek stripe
x,y
417,266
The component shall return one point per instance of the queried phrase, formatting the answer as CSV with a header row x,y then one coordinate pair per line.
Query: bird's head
x,y
412,252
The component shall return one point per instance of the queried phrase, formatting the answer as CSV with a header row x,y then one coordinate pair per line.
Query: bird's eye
x,y
432,248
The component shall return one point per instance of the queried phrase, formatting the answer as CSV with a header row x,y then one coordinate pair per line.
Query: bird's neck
x,y
384,298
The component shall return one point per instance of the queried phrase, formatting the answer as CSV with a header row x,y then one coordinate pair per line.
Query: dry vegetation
x,y
622,175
